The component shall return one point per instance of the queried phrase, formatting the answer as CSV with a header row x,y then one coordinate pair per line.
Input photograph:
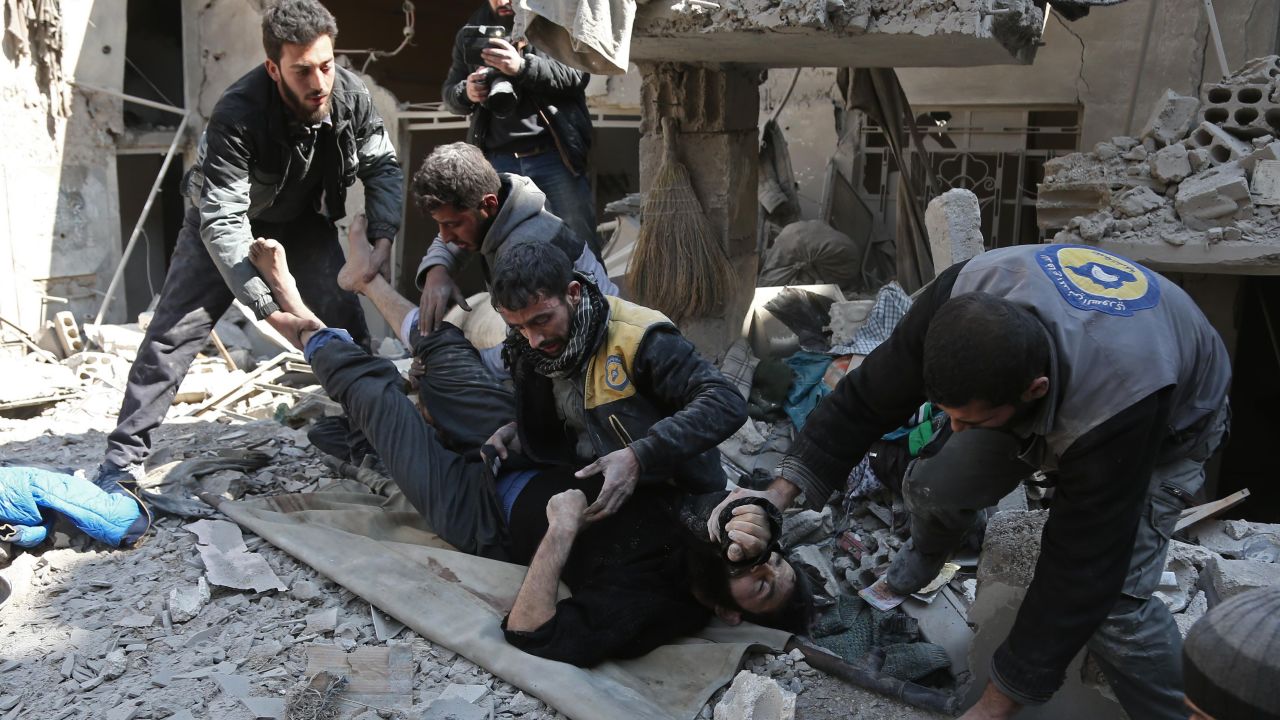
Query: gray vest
x,y
1120,332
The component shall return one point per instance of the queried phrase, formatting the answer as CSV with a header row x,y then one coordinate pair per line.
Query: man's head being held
x,y
534,290
298,36
772,593
458,188
986,361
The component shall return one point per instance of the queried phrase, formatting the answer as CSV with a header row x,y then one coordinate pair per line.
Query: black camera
x,y
502,94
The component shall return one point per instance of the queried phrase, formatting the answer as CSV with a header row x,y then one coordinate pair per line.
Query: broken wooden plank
x,y
246,385
1193,515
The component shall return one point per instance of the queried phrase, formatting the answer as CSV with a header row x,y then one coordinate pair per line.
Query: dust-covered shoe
x,y
124,481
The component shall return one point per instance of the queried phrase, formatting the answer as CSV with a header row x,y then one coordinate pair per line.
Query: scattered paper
x,y
881,596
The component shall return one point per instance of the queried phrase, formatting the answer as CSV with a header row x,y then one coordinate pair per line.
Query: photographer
x,y
546,134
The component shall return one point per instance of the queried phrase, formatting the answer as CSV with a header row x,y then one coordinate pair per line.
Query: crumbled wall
x,y
1205,174
57,164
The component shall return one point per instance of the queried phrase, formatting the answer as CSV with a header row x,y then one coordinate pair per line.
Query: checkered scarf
x,y
586,329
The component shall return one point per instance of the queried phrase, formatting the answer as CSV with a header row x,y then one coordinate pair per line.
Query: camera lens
x,y
502,97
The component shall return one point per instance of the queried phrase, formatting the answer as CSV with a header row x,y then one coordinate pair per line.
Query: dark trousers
x,y
1138,645
195,296
450,490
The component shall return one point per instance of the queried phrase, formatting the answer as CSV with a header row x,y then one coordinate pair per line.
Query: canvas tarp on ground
x,y
383,551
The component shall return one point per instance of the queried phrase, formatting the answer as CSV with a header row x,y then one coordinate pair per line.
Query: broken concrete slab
x,y
1228,578
953,221
185,603
1137,201
1170,164
385,627
322,621
1212,198
1011,548
752,697
454,709
1171,119
228,561
466,693
1266,183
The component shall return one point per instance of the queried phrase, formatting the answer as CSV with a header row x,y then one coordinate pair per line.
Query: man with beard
x,y
281,148
640,578
546,137
1068,360
479,210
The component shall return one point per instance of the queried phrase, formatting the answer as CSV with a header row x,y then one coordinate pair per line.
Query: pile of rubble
x,y
1204,171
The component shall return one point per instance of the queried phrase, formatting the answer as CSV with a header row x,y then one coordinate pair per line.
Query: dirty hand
x,y
415,373
478,86
505,440
379,260
503,57
438,291
564,510
621,471
749,531
713,522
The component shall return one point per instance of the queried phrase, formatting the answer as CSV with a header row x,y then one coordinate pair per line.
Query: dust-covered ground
x,y
92,632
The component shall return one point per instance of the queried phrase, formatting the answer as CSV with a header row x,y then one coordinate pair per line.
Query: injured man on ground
x,y
641,574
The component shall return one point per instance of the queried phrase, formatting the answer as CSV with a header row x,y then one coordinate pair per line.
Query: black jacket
x,y
558,90
242,167
645,387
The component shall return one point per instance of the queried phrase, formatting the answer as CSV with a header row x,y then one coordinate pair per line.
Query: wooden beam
x,y
1193,515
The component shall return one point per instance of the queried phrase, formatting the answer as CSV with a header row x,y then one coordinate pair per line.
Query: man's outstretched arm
x,y
536,601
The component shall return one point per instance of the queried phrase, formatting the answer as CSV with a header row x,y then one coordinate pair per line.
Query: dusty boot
x,y
911,569
123,481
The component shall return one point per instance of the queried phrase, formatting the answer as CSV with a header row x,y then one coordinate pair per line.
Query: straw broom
x,y
680,265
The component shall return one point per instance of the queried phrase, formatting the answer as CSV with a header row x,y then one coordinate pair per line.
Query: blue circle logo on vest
x,y
615,375
1092,279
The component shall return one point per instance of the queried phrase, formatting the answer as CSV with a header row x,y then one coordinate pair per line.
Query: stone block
x,y
1170,164
1212,198
1266,183
1138,201
1243,109
1058,203
1010,550
1229,578
1222,146
186,603
1266,151
752,697
1172,118
954,223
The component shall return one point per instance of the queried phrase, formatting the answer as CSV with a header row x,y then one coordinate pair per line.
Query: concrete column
x,y
716,111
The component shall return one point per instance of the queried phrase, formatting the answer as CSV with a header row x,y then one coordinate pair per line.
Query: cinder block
x,y
68,332
1172,118
1242,109
1222,146
954,223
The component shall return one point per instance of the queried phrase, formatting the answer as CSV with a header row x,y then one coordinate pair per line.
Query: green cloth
x,y
921,434
912,661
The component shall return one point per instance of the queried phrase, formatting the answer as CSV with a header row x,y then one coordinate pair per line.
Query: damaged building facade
x,y
1122,129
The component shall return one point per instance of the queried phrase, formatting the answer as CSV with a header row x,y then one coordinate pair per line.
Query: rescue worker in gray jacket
x,y
282,146
1069,360
479,210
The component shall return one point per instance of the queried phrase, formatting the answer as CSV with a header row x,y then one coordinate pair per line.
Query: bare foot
x,y
268,257
359,257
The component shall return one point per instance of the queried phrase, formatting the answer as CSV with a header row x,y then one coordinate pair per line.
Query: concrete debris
x,y
806,526
454,709
752,697
1203,173
466,693
1229,578
1266,183
953,221
228,561
185,603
